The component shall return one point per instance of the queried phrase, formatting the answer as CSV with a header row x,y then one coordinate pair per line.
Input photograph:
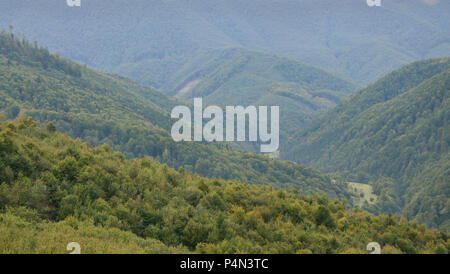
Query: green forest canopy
x,y
55,190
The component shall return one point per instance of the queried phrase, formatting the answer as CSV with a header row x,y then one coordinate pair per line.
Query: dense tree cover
x,y
22,231
394,134
152,40
55,190
430,204
109,109
20,50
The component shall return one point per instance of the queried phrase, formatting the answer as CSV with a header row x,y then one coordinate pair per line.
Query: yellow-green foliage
x,y
55,190
20,236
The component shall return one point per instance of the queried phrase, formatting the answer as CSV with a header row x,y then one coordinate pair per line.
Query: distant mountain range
x,y
151,40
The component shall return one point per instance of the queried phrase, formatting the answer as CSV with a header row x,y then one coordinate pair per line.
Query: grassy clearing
x,y
362,193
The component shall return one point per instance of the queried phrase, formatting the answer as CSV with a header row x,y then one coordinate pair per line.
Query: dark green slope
x,y
392,134
430,204
107,109
316,137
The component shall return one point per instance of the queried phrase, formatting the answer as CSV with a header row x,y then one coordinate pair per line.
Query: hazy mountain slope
x,y
105,109
55,190
232,67
242,77
151,40
391,133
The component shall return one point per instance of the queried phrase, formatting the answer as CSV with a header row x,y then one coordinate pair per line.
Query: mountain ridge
x,y
150,40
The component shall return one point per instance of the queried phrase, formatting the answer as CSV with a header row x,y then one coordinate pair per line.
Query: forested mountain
x,y
237,76
86,153
393,134
55,190
151,40
106,109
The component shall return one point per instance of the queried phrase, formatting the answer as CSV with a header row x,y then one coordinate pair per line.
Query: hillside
x,y
240,77
150,41
106,109
393,134
55,190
